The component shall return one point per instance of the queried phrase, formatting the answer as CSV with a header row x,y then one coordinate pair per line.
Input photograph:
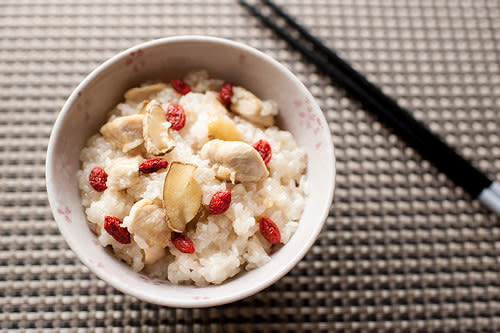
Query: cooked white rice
x,y
225,244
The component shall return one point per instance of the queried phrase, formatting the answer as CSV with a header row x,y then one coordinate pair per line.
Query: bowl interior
x,y
86,109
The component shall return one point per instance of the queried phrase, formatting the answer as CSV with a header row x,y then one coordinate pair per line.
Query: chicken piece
x,y
155,130
250,107
213,105
237,161
147,222
125,132
153,254
139,94
123,173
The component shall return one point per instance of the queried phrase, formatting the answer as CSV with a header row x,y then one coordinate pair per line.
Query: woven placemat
x,y
403,249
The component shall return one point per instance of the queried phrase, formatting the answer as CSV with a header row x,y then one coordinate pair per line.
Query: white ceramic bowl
x,y
85,111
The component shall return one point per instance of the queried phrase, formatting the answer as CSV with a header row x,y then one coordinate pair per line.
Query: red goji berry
x,y
113,227
180,86
176,116
98,178
264,149
183,243
153,165
220,202
225,93
269,230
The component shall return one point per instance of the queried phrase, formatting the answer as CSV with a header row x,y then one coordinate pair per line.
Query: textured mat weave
x,y
403,249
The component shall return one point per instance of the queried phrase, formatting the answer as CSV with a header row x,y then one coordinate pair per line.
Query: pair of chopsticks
x,y
416,134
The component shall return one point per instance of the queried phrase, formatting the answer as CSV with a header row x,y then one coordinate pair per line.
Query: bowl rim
x,y
157,299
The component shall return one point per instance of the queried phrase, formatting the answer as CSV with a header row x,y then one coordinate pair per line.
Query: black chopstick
x,y
404,124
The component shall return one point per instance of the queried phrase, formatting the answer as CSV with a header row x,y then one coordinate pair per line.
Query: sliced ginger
x,y
181,195
156,130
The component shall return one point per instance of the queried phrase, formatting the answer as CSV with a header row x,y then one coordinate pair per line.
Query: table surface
x,y
403,249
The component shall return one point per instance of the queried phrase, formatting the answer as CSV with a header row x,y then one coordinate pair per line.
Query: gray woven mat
x,y
403,249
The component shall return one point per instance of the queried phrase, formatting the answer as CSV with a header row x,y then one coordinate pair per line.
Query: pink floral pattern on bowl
x,y
65,212
200,297
309,119
152,280
83,105
97,264
135,60
242,59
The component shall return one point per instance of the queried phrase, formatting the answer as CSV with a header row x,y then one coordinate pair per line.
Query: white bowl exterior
x,y
86,110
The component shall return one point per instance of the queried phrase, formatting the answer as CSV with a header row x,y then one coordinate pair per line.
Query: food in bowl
x,y
191,181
